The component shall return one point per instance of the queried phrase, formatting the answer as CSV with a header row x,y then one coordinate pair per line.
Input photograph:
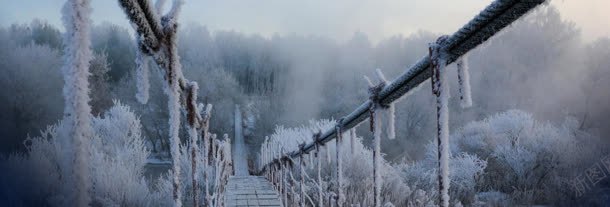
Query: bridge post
x,y
292,181
375,127
205,125
316,138
441,91
284,183
301,175
339,140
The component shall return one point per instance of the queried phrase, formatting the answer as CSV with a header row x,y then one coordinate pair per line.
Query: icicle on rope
x,y
375,127
440,89
352,142
390,111
191,101
464,82
142,75
339,141
327,150
310,160
77,111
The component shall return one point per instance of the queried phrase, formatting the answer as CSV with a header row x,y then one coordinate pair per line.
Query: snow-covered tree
x,y
117,148
101,99
31,92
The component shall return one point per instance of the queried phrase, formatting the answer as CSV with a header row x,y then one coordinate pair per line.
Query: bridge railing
x,y
495,17
156,39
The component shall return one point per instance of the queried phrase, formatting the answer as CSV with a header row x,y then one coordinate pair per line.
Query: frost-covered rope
x,y
142,77
157,38
486,24
140,23
352,142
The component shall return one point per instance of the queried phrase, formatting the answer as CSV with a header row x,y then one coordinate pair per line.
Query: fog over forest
x,y
539,71
291,79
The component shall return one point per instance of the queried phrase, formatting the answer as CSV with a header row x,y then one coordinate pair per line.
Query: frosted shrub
x,y
464,170
119,155
528,160
217,172
357,168
511,158
116,164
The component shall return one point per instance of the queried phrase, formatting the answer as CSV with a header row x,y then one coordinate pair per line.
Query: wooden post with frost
x,y
316,138
339,141
375,127
440,90
77,111
302,176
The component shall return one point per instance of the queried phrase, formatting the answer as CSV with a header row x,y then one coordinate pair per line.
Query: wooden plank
x,y
251,191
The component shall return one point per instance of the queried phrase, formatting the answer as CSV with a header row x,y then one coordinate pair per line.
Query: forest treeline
x,y
540,65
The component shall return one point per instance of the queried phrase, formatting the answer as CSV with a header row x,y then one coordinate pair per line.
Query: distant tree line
x,y
540,65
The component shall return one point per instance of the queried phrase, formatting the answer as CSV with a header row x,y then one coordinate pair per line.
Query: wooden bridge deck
x,y
251,191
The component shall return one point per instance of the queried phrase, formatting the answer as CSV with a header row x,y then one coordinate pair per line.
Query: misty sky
x,y
337,19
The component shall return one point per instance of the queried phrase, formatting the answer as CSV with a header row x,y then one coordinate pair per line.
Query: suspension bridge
x,y
244,189
267,186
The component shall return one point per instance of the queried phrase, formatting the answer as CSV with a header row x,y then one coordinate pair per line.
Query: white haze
x,y
333,19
